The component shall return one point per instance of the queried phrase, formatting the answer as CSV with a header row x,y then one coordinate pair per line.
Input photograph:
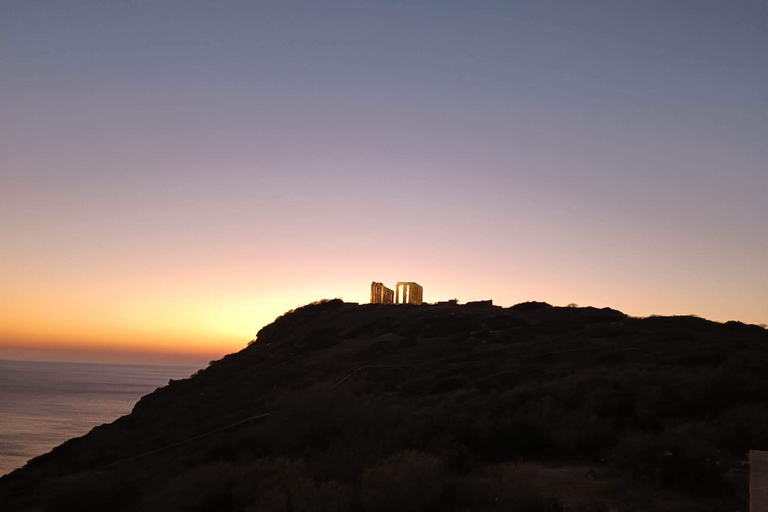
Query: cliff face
x,y
377,407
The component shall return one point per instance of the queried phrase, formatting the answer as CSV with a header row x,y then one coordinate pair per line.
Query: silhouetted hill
x,y
346,407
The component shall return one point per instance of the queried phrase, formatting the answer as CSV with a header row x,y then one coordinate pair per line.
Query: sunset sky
x,y
176,174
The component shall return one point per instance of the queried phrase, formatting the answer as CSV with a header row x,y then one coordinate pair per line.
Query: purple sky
x,y
164,162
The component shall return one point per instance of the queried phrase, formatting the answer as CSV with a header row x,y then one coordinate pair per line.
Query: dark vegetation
x,y
444,408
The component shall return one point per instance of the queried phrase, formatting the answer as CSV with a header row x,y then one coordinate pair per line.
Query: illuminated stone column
x,y
380,294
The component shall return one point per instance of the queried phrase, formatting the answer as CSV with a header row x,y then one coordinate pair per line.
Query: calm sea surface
x,y
44,404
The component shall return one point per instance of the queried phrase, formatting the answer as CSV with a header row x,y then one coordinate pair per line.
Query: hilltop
x,y
346,407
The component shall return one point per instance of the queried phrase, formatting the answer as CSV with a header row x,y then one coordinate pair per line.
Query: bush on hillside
x,y
404,482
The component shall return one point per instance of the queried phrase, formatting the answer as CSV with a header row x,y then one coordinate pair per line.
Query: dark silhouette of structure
x,y
480,303
758,481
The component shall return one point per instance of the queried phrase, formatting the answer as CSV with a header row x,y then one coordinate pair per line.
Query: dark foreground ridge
x,y
372,408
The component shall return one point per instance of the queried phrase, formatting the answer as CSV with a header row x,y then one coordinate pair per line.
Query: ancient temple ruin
x,y
411,293
380,294
405,293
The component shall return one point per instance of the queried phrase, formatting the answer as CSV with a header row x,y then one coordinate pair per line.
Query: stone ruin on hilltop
x,y
412,293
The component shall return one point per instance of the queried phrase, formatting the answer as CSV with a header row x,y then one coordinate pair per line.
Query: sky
x,y
176,174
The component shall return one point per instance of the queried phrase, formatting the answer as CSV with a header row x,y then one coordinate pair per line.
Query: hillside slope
x,y
348,407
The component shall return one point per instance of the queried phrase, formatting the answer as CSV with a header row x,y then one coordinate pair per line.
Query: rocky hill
x,y
345,407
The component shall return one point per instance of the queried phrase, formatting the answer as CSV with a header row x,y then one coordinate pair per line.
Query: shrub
x,y
509,487
266,485
676,460
405,482
90,492
530,306
203,488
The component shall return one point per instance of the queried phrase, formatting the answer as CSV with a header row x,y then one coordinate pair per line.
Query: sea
x,y
42,404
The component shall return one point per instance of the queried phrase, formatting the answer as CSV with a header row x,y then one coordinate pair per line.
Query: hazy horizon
x,y
175,175
51,353
103,356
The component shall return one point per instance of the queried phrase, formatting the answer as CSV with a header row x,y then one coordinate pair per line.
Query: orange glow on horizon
x,y
127,318
212,304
